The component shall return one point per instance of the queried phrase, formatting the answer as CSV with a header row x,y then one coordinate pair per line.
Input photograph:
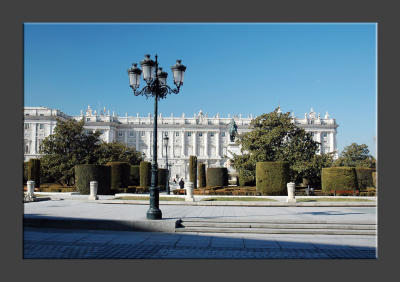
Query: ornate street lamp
x,y
156,87
166,139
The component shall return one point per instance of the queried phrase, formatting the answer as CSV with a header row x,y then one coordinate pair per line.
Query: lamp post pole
x,y
156,87
166,163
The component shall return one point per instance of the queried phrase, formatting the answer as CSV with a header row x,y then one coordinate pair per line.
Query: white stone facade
x,y
200,135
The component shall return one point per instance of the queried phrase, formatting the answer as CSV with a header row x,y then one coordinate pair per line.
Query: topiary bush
x,y
162,178
374,178
245,180
272,177
135,175
34,171
193,170
145,174
85,173
364,177
217,176
201,173
25,173
338,178
120,174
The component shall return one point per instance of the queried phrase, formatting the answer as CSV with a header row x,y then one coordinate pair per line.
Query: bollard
x,y
189,192
31,189
290,188
93,190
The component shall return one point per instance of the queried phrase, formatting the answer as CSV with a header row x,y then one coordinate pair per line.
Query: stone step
x,y
275,231
279,226
279,221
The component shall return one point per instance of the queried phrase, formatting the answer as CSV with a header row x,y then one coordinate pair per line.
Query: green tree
x,y
274,137
356,155
313,168
117,152
69,145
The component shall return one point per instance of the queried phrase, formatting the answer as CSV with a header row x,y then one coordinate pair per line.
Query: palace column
x,y
126,137
218,144
206,144
194,144
331,137
137,140
148,139
183,143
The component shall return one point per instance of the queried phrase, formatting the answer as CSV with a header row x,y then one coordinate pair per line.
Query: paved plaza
x,y
81,243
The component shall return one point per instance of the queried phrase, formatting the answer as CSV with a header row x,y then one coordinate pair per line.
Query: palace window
x,y
120,134
131,133
212,134
200,134
176,133
141,133
41,115
87,119
189,134
41,126
324,134
223,134
26,125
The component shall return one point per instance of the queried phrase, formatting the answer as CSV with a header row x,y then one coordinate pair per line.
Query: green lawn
x,y
238,199
333,200
147,198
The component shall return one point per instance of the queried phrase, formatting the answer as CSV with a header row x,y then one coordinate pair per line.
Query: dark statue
x,y
232,130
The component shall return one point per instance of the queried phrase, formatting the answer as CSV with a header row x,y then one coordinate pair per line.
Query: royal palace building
x,y
200,135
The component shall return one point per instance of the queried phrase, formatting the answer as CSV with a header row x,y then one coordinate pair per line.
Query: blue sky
x,y
231,68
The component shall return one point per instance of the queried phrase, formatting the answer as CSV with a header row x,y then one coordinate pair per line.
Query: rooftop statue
x,y
232,130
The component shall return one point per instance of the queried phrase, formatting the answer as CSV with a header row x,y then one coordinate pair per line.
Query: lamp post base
x,y
154,213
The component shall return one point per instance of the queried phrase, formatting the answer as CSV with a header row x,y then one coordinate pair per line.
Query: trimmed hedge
x,y
364,177
374,178
34,171
135,175
162,178
193,170
145,174
338,178
246,180
272,177
85,173
201,174
25,174
120,174
217,176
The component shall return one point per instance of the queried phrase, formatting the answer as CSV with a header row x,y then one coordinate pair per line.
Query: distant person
x,y
174,180
181,184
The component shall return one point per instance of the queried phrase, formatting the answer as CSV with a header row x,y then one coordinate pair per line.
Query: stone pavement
x,y
40,243
61,243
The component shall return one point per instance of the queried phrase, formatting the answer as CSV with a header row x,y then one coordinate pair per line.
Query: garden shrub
x,y
120,174
162,178
34,171
364,177
135,175
374,178
201,173
25,173
272,177
338,178
245,180
145,174
85,173
217,176
193,170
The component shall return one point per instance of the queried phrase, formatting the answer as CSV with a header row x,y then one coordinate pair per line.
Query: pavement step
x,y
275,231
278,226
279,221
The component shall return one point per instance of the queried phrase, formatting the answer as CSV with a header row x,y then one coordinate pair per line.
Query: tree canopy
x,y
274,137
71,144
356,155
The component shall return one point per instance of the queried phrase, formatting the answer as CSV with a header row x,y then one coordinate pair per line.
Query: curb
x,y
96,224
241,203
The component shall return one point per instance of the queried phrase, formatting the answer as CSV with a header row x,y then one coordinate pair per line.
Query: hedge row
x,y
120,174
201,174
34,171
193,170
338,178
272,177
89,172
145,174
217,176
135,175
